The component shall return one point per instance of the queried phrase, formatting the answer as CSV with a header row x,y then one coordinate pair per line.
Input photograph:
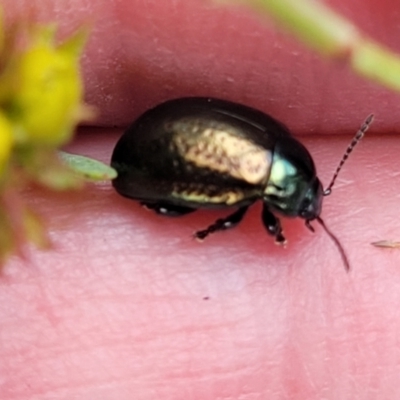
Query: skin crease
x,y
128,306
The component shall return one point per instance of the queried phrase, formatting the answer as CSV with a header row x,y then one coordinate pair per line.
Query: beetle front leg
x,y
224,223
272,225
169,210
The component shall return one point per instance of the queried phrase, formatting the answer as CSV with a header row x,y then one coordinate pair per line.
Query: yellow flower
x,y
46,103
6,141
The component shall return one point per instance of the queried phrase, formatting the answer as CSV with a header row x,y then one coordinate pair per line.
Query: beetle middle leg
x,y
169,210
272,225
223,223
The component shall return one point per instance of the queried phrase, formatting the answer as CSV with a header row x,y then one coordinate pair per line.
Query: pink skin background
x,y
128,306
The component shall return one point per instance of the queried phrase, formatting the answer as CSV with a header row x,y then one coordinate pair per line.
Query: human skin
x,y
127,306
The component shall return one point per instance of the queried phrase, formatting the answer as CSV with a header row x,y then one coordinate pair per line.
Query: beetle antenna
x,y
357,137
335,240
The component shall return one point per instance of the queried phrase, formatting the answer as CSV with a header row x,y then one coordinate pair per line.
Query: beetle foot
x,y
273,225
201,235
223,223
280,239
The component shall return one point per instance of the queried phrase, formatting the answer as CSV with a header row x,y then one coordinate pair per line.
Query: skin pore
x,y
127,305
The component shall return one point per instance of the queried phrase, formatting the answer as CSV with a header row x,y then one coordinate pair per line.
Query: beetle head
x,y
311,205
293,188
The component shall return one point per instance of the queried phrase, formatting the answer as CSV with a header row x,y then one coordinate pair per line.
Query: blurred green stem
x,y
322,29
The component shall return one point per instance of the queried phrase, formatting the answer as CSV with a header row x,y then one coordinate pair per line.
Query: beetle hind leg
x,y
223,223
273,225
169,210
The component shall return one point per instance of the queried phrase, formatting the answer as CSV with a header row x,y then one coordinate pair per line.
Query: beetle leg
x,y
272,225
224,223
169,210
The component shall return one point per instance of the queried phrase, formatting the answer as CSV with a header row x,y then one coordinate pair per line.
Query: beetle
x,y
197,152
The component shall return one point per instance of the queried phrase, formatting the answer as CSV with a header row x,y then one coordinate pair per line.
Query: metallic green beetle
x,y
195,152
